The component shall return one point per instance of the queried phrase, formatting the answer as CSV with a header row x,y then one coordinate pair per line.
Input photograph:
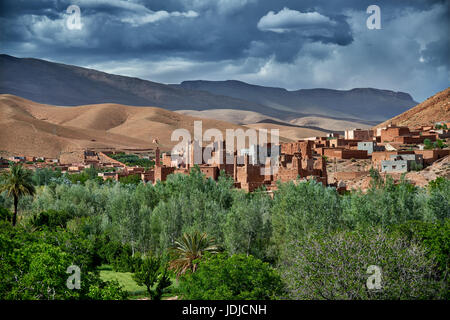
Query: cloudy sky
x,y
283,43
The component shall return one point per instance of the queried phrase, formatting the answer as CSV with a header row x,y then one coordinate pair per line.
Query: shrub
x,y
153,274
107,290
427,143
416,166
5,214
51,219
220,277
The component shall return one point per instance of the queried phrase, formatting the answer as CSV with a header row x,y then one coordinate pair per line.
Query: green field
x,y
134,290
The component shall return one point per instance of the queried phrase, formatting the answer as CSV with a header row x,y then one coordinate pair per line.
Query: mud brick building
x,y
379,156
388,134
369,146
430,156
345,143
4,163
342,153
295,161
359,134
414,139
303,147
400,163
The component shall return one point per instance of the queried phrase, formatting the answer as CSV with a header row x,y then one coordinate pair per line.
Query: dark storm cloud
x,y
204,30
263,41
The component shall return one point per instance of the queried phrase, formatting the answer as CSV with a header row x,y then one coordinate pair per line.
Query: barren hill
x,y
30,128
434,109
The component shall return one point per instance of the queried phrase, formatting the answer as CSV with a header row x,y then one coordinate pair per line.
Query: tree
x,y
17,183
247,228
189,249
336,266
240,277
301,208
44,176
153,273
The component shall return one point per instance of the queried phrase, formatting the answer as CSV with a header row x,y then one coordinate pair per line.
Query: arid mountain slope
x,y
434,109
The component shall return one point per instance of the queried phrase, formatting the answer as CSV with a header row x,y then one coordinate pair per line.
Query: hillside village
x,y
334,160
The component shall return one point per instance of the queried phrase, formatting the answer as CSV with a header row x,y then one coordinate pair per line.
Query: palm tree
x,y
190,248
17,182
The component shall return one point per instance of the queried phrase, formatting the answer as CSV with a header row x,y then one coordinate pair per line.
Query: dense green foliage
x,y
45,176
239,277
80,220
131,179
132,160
81,178
33,266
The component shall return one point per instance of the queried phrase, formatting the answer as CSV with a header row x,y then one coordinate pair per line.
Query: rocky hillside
x,y
434,109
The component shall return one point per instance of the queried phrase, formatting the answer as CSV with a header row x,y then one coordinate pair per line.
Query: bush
x,y
335,266
153,274
220,277
107,290
427,144
435,238
118,255
5,214
51,219
416,166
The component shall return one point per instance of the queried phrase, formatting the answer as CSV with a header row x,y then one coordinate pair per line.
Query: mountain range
x,y
60,84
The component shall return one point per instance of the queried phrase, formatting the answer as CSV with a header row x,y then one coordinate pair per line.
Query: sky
x,y
284,43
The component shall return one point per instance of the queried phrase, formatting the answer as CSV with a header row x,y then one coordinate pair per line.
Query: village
x,y
333,160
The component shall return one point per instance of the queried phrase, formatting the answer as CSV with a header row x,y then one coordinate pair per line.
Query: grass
x,y
134,290
124,278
